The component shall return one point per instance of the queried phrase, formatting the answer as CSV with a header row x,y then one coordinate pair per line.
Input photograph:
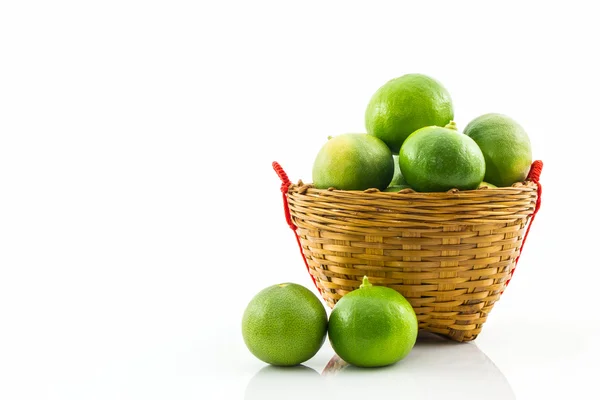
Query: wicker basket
x,y
450,254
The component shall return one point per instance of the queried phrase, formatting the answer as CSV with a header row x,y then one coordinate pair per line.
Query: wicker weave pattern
x,y
450,254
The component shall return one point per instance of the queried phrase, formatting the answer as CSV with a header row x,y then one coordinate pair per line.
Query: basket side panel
x,y
451,273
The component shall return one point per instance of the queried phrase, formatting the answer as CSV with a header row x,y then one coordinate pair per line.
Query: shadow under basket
x,y
450,254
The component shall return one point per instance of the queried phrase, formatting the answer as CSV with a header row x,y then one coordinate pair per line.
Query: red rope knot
x,y
285,184
534,176
285,181
535,171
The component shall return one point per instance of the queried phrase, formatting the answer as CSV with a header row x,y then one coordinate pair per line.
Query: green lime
x,y
396,188
284,324
489,185
372,326
405,104
398,182
505,146
397,179
436,159
353,161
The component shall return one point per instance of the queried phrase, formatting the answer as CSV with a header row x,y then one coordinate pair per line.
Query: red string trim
x,y
534,176
285,185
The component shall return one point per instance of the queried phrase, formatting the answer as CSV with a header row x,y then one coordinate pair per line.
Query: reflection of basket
x,y
450,254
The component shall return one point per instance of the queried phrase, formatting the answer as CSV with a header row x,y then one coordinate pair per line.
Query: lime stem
x,y
365,282
451,125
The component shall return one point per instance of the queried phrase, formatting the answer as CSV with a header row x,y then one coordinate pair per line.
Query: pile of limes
x,y
372,326
412,142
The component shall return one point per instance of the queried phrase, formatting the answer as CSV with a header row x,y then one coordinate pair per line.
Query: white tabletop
x,y
175,346
139,212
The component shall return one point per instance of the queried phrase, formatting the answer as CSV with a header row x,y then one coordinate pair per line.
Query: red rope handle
x,y
285,185
534,176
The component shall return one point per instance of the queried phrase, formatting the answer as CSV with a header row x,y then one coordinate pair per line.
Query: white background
x,y
139,212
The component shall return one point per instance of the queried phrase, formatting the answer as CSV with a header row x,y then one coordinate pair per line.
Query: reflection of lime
x,y
353,161
372,326
464,369
435,159
505,146
284,324
297,382
405,104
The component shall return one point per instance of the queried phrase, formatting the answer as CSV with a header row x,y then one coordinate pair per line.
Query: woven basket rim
x,y
525,186
425,209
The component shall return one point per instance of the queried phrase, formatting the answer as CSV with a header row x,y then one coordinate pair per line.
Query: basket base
x,y
460,323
